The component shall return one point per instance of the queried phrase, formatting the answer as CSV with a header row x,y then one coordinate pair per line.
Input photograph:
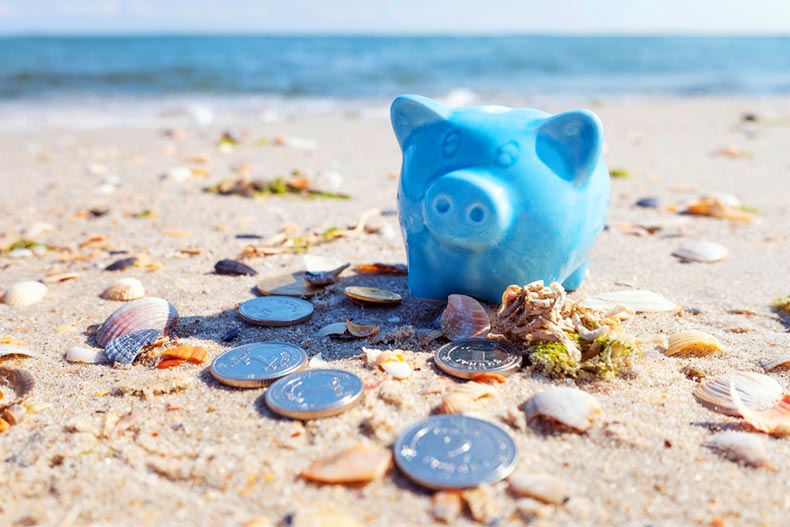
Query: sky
x,y
396,16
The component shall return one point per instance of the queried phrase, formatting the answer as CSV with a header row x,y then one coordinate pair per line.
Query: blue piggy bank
x,y
491,196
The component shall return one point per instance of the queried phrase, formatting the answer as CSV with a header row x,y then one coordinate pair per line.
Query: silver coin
x,y
311,394
276,311
464,358
257,364
455,452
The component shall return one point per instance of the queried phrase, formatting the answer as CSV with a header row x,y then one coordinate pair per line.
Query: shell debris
x,y
196,354
361,463
778,361
25,293
14,414
692,343
124,289
741,447
755,391
569,407
775,420
543,487
144,313
701,251
464,317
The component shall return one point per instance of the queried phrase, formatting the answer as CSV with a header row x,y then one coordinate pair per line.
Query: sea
x,y
88,80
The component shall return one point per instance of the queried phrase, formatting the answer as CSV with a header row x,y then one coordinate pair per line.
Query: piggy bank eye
x,y
507,154
451,143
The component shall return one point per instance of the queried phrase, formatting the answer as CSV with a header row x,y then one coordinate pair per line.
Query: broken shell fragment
x,y
487,377
779,361
25,293
336,328
324,278
360,330
692,343
124,289
447,505
701,251
381,268
144,313
59,277
234,267
639,300
543,487
775,421
10,350
740,447
570,407
359,464
464,317
755,390
14,414
124,349
89,355
19,380
196,354
120,265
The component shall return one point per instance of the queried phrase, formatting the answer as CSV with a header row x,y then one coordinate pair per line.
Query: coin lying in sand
x,y
371,295
255,365
455,452
276,311
464,358
312,394
288,285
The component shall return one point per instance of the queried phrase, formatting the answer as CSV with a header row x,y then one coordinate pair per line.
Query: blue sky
x,y
396,16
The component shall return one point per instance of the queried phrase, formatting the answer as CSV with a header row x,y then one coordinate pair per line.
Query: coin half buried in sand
x,y
276,311
455,452
464,358
288,285
255,365
312,394
371,295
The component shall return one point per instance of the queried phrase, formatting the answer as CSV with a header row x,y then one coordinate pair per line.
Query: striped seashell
x,y
10,350
755,390
124,289
464,317
19,380
25,293
144,313
569,407
701,251
125,348
640,300
454,403
692,343
778,361
741,447
474,390
775,420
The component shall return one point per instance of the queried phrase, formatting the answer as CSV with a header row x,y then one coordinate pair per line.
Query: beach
x,y
100,447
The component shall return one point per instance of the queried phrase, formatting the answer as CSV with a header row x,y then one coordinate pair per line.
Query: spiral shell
x,y
756,391
569,407
24,293
144,313
464,317
124,289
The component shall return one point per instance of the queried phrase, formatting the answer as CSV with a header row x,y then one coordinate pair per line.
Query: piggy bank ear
x,y
570,144
409,112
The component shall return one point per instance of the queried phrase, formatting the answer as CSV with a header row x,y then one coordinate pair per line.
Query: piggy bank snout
x,y
468,210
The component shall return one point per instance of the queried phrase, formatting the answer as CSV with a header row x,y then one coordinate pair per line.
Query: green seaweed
x,y
782,304
610,357
619,173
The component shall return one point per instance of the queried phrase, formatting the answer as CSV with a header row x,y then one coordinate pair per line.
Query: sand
x,y
214,455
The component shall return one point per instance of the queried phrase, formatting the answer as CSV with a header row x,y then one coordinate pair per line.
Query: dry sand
x,y
213,455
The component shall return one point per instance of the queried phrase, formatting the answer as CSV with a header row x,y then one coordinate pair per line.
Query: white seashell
x,y
89,355
740,446
320,264
399,370
371,355
775,362
318,362
757,391
124,289
543,487
20,253
567,406
702,251
25,293
336,328
464,317
640,300
178,174
8,350
144,313
692,343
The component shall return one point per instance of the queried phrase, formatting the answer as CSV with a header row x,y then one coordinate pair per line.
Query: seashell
x,y
566,406
640,300
234,267
774,420
318,362
543,487
701,251
741,447
60,277
194,354
25,293
436,385
124,289
336,328
10,350
19,380
454,403
447,505
362,331
464,317
474,390
14,414
381,268
361,463
168,363
121,264
20,253
394,363
89,355
144,313
778,361
756,391
486,377
125,348
692,343
322,278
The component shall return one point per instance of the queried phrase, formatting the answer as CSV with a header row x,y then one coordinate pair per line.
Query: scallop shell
x,y
89,355
9,350
14,414
474,390
144,313
464,317
543,487
124,289
701,251
779,361
692,343
125,348
196,354
21,381
453,403
567,406
740,446
756,391
359,464
640,300
774,420
25,293
447,505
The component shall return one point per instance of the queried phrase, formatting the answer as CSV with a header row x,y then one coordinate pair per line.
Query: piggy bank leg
x,y
574,281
